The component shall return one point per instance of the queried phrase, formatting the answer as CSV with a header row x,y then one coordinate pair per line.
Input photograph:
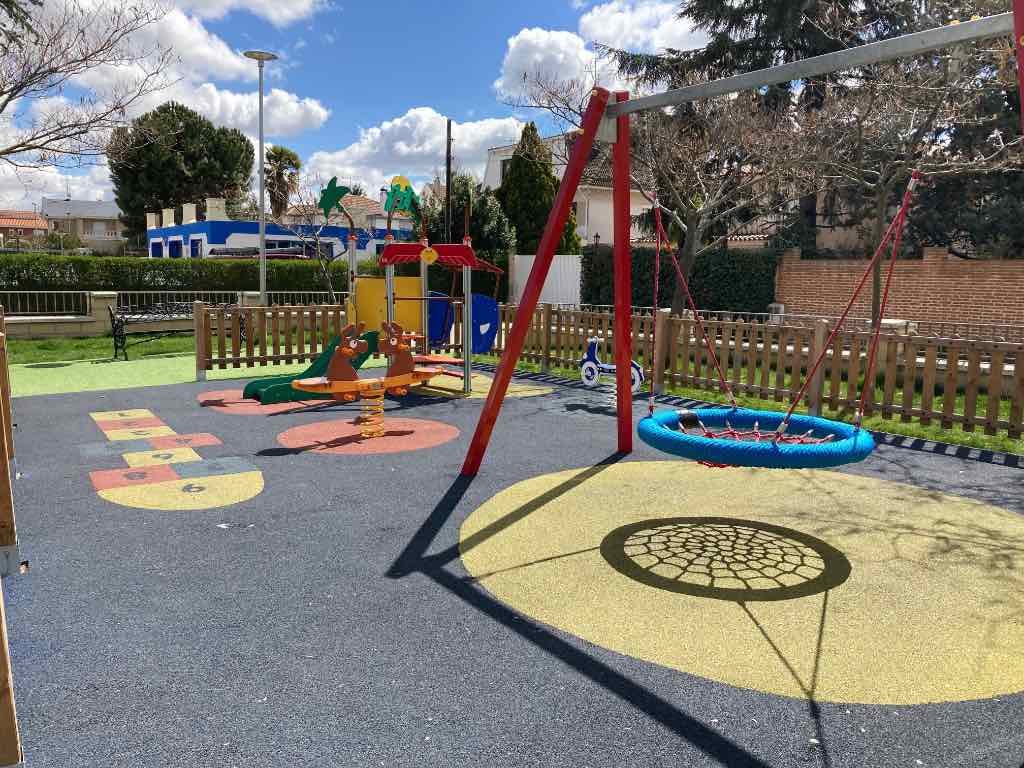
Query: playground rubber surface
x,y
376,609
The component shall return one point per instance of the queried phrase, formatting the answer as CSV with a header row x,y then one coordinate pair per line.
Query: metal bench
x,y
123,317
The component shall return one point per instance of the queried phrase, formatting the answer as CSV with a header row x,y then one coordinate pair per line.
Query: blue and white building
x,y
220,237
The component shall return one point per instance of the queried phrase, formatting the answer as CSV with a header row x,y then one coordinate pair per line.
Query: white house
x,y
593,201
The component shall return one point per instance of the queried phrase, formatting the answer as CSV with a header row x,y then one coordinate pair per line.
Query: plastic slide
x,y
278,389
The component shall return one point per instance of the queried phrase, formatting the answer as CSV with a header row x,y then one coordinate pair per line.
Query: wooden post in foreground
x,y
10,738
5,398
10,741
199,326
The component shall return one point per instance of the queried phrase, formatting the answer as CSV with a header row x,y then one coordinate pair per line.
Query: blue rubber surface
x,y
850,444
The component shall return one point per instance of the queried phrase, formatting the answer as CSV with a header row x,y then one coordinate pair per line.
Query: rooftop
x,y
58,208
23,220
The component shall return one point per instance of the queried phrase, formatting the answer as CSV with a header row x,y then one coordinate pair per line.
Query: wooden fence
x,y
247,337
929,379
10,740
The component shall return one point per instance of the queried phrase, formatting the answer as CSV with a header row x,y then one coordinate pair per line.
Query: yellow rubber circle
x,y
798,583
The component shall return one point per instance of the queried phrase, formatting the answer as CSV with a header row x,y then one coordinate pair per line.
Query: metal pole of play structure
x,y
467,329
389,288
424,304
353,268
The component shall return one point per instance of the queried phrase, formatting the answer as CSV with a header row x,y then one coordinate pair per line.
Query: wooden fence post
x,y
10,739
662,323
816,386
5,397
545,355
199,329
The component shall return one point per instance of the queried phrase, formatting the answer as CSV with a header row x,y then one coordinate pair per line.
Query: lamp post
x,y
261,57
67,218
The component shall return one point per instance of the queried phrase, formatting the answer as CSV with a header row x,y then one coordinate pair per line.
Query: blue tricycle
x,y
591,369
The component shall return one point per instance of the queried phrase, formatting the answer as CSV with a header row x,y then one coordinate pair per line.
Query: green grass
x,y
57,366
27,351
933,431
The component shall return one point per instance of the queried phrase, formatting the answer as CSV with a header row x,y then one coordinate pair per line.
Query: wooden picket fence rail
x,y
247,337
975,384
10,739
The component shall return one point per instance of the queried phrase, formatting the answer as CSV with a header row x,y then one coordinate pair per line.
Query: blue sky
x,y
362,88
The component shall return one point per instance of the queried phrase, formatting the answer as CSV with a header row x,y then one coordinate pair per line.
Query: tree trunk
x,y
877,231
687,257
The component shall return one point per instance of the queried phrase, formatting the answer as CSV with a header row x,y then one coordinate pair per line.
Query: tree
x,y
358,189
747,35
282,177
14,16
527,193
714,165
89,48
494,238
977,215
174,155
921,114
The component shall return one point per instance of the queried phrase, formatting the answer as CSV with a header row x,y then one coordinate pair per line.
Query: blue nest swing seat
x,y
810,450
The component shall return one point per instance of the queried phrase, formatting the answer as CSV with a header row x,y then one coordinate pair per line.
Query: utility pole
x,y
448,187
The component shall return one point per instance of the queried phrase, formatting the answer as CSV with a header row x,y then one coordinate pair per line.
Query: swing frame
x,y
606,119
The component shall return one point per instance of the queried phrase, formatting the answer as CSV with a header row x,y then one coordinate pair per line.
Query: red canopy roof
x,y
453,255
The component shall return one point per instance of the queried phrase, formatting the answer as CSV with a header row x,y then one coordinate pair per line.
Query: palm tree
x,y
282,177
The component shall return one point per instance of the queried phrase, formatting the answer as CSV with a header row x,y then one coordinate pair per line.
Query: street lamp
x,y
67,218
260,57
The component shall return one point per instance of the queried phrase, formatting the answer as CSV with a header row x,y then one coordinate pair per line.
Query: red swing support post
x,y
578,158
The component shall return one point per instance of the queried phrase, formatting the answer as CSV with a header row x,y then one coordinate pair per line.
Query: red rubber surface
x,y
343,436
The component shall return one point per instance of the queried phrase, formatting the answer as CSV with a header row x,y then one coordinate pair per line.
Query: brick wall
x,y
939,287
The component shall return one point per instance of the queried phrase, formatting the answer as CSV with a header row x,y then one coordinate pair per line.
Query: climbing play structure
x,y
607,119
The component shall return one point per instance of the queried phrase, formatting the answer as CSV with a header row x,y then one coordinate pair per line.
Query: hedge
x,y
739,281
42,272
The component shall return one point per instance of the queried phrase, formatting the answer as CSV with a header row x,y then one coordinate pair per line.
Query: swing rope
x,y
689,300
893,232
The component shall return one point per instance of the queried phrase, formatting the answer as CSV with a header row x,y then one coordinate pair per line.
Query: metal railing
x,y
36,303
303,298
131,301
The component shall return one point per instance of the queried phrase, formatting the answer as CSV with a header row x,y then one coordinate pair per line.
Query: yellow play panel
x,y
449,386
188,493
809,584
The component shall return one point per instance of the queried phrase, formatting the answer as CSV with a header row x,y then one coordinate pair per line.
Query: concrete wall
x,y
938,288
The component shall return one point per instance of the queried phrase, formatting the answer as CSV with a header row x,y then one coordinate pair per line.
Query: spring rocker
x,y
341,380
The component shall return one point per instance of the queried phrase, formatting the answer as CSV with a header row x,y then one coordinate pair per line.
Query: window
x,y
504,169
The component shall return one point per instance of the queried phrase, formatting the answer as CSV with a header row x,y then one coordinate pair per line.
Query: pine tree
x,y
527,193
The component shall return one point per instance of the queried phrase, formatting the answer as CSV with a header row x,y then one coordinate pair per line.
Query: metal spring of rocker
x,y
371,420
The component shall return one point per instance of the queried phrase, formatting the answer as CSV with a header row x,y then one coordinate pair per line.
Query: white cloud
x,y
643,25
21,189
284,113
278,12
201,53
413,145
552,52
639,25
